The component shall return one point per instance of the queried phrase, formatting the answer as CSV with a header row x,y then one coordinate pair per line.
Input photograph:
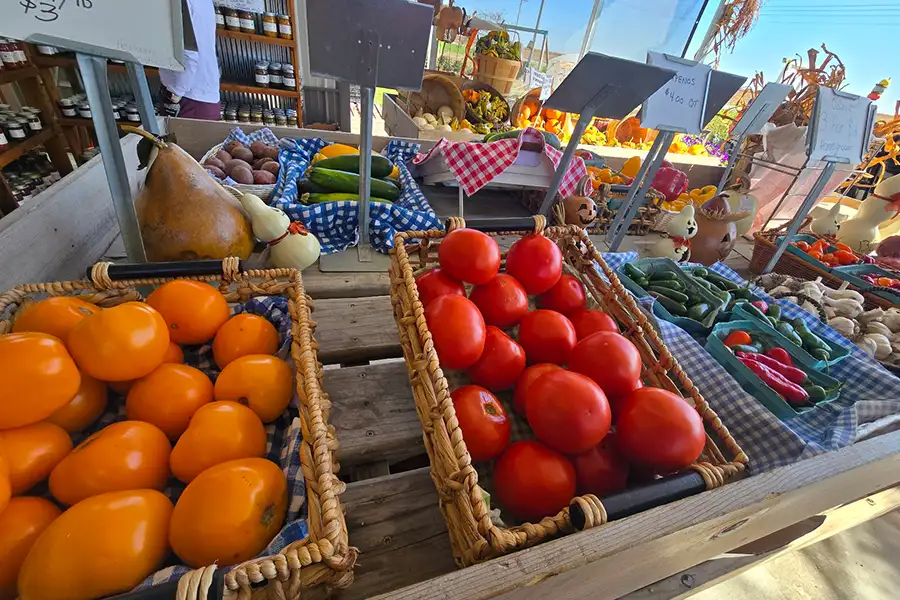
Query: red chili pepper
x,y
670,182
761,305
781,355
791,392
790,373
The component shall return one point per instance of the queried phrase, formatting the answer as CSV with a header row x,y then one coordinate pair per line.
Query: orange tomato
x,y
37,376
885,281
23,520
819,246
219,432
194,311
32,452
552,113
127,455
174,354
168,397
54,316
802,245
815,254
120,343
102,546
244,334
261,381
5,489
85,408
845,258
229,513
843,247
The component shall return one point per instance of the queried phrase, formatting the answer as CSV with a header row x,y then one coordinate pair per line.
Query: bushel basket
x,y
474,537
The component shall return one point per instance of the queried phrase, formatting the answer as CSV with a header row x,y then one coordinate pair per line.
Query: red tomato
x,y
566,296
457,331
587,322
501,362
532,481
436,283
601,470
547,336
659,430
609,359
502,301
528,377
469,255
615,402
536,262
483,421
567,411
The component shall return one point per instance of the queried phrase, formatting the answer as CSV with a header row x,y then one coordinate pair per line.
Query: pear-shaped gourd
x,y
184,214
291,246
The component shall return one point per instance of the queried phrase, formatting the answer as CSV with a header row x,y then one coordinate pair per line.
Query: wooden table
x,y
394,520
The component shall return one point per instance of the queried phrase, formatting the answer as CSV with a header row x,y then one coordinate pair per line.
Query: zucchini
x,y
669,293
336,197
305,186
339,181
349,163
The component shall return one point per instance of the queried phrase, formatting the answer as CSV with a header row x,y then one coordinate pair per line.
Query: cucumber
x,y
669,293
633,272
718,280
339,181
698,311
669,285
700,272
336,197
505,135
670,305
663,276
349,163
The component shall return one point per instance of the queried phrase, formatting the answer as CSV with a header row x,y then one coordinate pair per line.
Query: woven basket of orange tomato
x,y
178,440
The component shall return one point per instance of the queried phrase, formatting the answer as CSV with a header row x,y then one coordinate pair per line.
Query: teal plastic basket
x,y
809,239
653,265
752,384
725,313
838,352
851,273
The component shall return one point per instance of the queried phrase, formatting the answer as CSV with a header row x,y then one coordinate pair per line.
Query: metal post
x,y
96,86
732,160
583,121
801,213
537,26
367,100
462,197
141,89
591,28
433,50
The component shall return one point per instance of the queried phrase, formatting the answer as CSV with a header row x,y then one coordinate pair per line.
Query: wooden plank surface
x,y
355,330
344,285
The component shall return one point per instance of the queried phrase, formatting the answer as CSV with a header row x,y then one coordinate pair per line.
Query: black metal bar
x,y
501,224
181,268
630,502
168,591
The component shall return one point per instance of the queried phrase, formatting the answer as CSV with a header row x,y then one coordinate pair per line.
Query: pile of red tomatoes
x,y
573,377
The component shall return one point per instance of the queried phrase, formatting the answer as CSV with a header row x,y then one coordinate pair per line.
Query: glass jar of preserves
x,y
288,79
4,143
270,25
280,119
15,131
8,54
292,120
132,114
244,114
261,74
285,29
275,80
34,124
48,50
220,17
19,52
84,110
268,117
247,24
232,20
231,115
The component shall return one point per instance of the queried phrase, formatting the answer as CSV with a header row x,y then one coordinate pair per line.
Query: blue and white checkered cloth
x,y
869,393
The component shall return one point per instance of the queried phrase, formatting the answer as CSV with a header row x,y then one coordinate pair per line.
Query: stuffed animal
x,y
861,231
829,223
676,241
716,232
291,246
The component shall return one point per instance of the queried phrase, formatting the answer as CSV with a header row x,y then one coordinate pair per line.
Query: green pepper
x,y
743,294
753,348
753,311
810,341
698,311
633,272
670,305
725,284
785,329
816,393
774,311
663,276
669,293
820,354
773,321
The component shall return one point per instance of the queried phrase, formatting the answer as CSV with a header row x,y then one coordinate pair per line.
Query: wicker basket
x,y
263,191
498,72
437,91
483,87
324,556
473,536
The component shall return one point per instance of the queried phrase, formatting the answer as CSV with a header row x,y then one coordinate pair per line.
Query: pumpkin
x,y
552,113
168,397
54,316
23,520
102,546
244,334
630,130
85,408
262,382
194,311
33,451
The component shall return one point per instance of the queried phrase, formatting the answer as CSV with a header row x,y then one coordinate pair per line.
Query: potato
x,y
230,146
259,162
223,156
216,172
271,152
243,153
242,174
234,163
263,178
272,167
257,148
215,162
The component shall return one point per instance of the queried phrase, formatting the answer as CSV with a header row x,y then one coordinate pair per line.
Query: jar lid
x,y
287,67
84,105
66,102
284,17
275,65
268,14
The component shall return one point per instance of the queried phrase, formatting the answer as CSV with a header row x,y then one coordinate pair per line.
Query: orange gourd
x,y
102,546
120,343
260,381
229,513
54,316
33,451
244,334
630,130
194,311
552,113
168,397
219,432
37,376
127,455
23,520
5,489
85,408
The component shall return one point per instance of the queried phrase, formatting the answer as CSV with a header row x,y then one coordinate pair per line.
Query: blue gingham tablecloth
x,y
870,396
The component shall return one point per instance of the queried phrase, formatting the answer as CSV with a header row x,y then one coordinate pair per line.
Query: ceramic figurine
x,y
829,223
716,232
676,241
580,209
861,231
291,246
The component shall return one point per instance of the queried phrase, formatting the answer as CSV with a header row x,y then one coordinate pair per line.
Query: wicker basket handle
x,y
535,223
103,275
169,590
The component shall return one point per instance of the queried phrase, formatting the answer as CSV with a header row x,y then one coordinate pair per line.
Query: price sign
x,y
841,127
256,6
679,104
536,79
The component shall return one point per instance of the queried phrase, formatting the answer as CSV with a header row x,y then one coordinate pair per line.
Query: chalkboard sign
x,y
841,127
150,33
679,104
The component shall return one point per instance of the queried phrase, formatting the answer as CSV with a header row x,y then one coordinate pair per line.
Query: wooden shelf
x,y
22,147
12,75
69,61
250,89
79,122
252,37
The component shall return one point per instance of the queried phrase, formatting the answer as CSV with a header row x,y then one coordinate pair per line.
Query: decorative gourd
x,y
581,209
291,246
630,130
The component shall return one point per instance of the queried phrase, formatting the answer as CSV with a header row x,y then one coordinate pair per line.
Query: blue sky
x,y
863,33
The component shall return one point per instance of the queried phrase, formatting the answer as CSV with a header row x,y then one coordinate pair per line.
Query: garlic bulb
x,y
426,126
876,314
891,318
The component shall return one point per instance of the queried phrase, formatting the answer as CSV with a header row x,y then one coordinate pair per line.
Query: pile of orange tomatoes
x,y
562,367
837,256
108,525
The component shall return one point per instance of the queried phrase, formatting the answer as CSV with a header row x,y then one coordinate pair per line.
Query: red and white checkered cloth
x,y
475,164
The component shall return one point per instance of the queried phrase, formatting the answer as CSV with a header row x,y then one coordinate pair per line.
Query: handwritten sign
x,y
678,105
536,79
256,6
149,33
841,128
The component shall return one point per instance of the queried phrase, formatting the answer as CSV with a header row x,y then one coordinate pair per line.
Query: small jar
x,y
292,120
288,79
261,74
132,114
244,114
19,52
247,24
23,122
116,112
48,50
231,115
84,110
34,124
256,115
220,17
4,143
8,54
67,107
270,25
275,80
280,119
232,20
285,29
268,117
15,131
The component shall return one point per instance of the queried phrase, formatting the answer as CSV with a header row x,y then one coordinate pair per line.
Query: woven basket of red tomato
x,y
137,435
540,384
